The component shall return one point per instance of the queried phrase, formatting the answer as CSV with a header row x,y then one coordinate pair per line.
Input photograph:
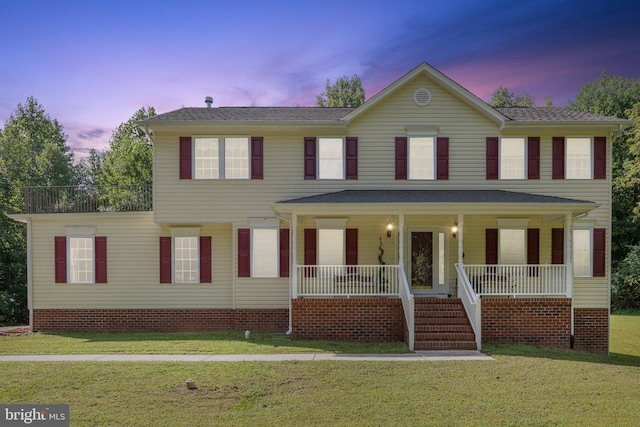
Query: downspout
x,y
291,275
29,276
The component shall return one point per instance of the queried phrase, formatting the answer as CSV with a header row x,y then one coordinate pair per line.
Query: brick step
x,y
442,328
420,300
445,345
459,320
444,336
443,313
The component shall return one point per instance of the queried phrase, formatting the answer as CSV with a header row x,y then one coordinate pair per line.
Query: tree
x,y
33,151
608,96
125,168
345,92
503,97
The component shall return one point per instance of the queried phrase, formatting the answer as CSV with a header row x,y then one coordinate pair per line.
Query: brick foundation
x,y
348,319
160,320
542,322
591,329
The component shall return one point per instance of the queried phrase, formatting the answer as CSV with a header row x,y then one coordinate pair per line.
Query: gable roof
x,y
553,114
249,114
445,81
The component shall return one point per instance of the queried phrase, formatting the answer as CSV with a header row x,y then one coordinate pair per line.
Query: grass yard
x,y
523,387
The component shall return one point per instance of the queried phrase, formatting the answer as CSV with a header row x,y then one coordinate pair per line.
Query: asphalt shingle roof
x,y
274,114
432,196
551,114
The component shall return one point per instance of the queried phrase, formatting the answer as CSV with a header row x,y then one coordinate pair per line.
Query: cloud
x,y
92,134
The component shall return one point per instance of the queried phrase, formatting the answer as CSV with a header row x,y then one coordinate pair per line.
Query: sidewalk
x,y
419,356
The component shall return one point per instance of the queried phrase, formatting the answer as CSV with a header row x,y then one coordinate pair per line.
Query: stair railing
x,y
471,302
408,305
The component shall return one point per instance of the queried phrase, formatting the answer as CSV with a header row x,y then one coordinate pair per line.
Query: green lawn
x,y
523,387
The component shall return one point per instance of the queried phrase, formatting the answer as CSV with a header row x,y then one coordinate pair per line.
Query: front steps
x,y
442,324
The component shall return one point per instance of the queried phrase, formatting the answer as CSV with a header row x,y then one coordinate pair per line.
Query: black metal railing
x,y
83,199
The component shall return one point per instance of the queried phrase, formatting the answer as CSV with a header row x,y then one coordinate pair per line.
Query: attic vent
x,y
422,97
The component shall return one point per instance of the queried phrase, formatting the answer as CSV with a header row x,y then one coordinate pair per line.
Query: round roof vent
x,y
422,97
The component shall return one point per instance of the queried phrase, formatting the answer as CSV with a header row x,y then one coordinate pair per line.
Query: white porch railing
x,y
347,280
408,305
518,280
471,302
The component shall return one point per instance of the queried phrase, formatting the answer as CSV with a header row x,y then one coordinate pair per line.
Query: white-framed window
x,y
422,154
331,158
81,259
264,252
186,260
582,247
579,154
221,157
513,246
512,158
331,246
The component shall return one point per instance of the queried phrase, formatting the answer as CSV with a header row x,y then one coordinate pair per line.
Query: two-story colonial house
x,y
423,215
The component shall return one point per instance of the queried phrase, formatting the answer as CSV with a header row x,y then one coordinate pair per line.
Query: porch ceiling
x,y
433,202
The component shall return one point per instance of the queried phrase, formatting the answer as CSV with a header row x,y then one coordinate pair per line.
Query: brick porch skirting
x,y
543,322
160,320
591,329
348,319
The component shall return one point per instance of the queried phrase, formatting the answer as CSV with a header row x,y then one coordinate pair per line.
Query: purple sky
x,y
92,64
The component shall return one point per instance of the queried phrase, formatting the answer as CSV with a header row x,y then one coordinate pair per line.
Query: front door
x,y
422,271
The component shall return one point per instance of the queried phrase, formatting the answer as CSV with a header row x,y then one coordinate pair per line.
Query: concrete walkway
x,y
419,356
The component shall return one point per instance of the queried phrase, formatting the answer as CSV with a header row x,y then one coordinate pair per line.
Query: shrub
x,y
625,283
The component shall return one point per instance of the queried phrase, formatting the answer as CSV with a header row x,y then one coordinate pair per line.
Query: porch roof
x,y
475,202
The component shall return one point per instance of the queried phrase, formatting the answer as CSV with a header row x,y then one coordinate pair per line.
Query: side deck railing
x,y
86,199
518,280
347,280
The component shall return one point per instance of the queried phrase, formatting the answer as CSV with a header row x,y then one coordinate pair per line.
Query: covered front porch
x,y
405,245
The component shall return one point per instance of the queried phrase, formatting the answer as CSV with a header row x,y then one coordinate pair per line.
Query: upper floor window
x,y
221,158
422,157
579,157
512,158
331,158
230,157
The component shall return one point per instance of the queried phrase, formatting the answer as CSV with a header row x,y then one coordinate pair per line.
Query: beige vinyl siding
x,y
132,266
194,202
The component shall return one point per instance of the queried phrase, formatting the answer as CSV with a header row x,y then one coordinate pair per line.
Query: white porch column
x,y
568,252
460,239
401,239
294,255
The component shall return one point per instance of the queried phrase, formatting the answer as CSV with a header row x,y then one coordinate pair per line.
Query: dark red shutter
x,y
600,157
491,246
599,246
351,246
442,154
257,155
557,246
284,252
533,246
309,158
244,252
310,257
185,157
165,259
100,259
352,157
60,247
492,157
533,157
205,259
401,157
557,165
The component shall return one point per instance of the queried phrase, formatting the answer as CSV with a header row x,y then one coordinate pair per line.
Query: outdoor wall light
x,y
454,230
389,229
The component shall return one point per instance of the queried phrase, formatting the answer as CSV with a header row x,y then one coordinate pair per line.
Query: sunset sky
x,y
92,64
